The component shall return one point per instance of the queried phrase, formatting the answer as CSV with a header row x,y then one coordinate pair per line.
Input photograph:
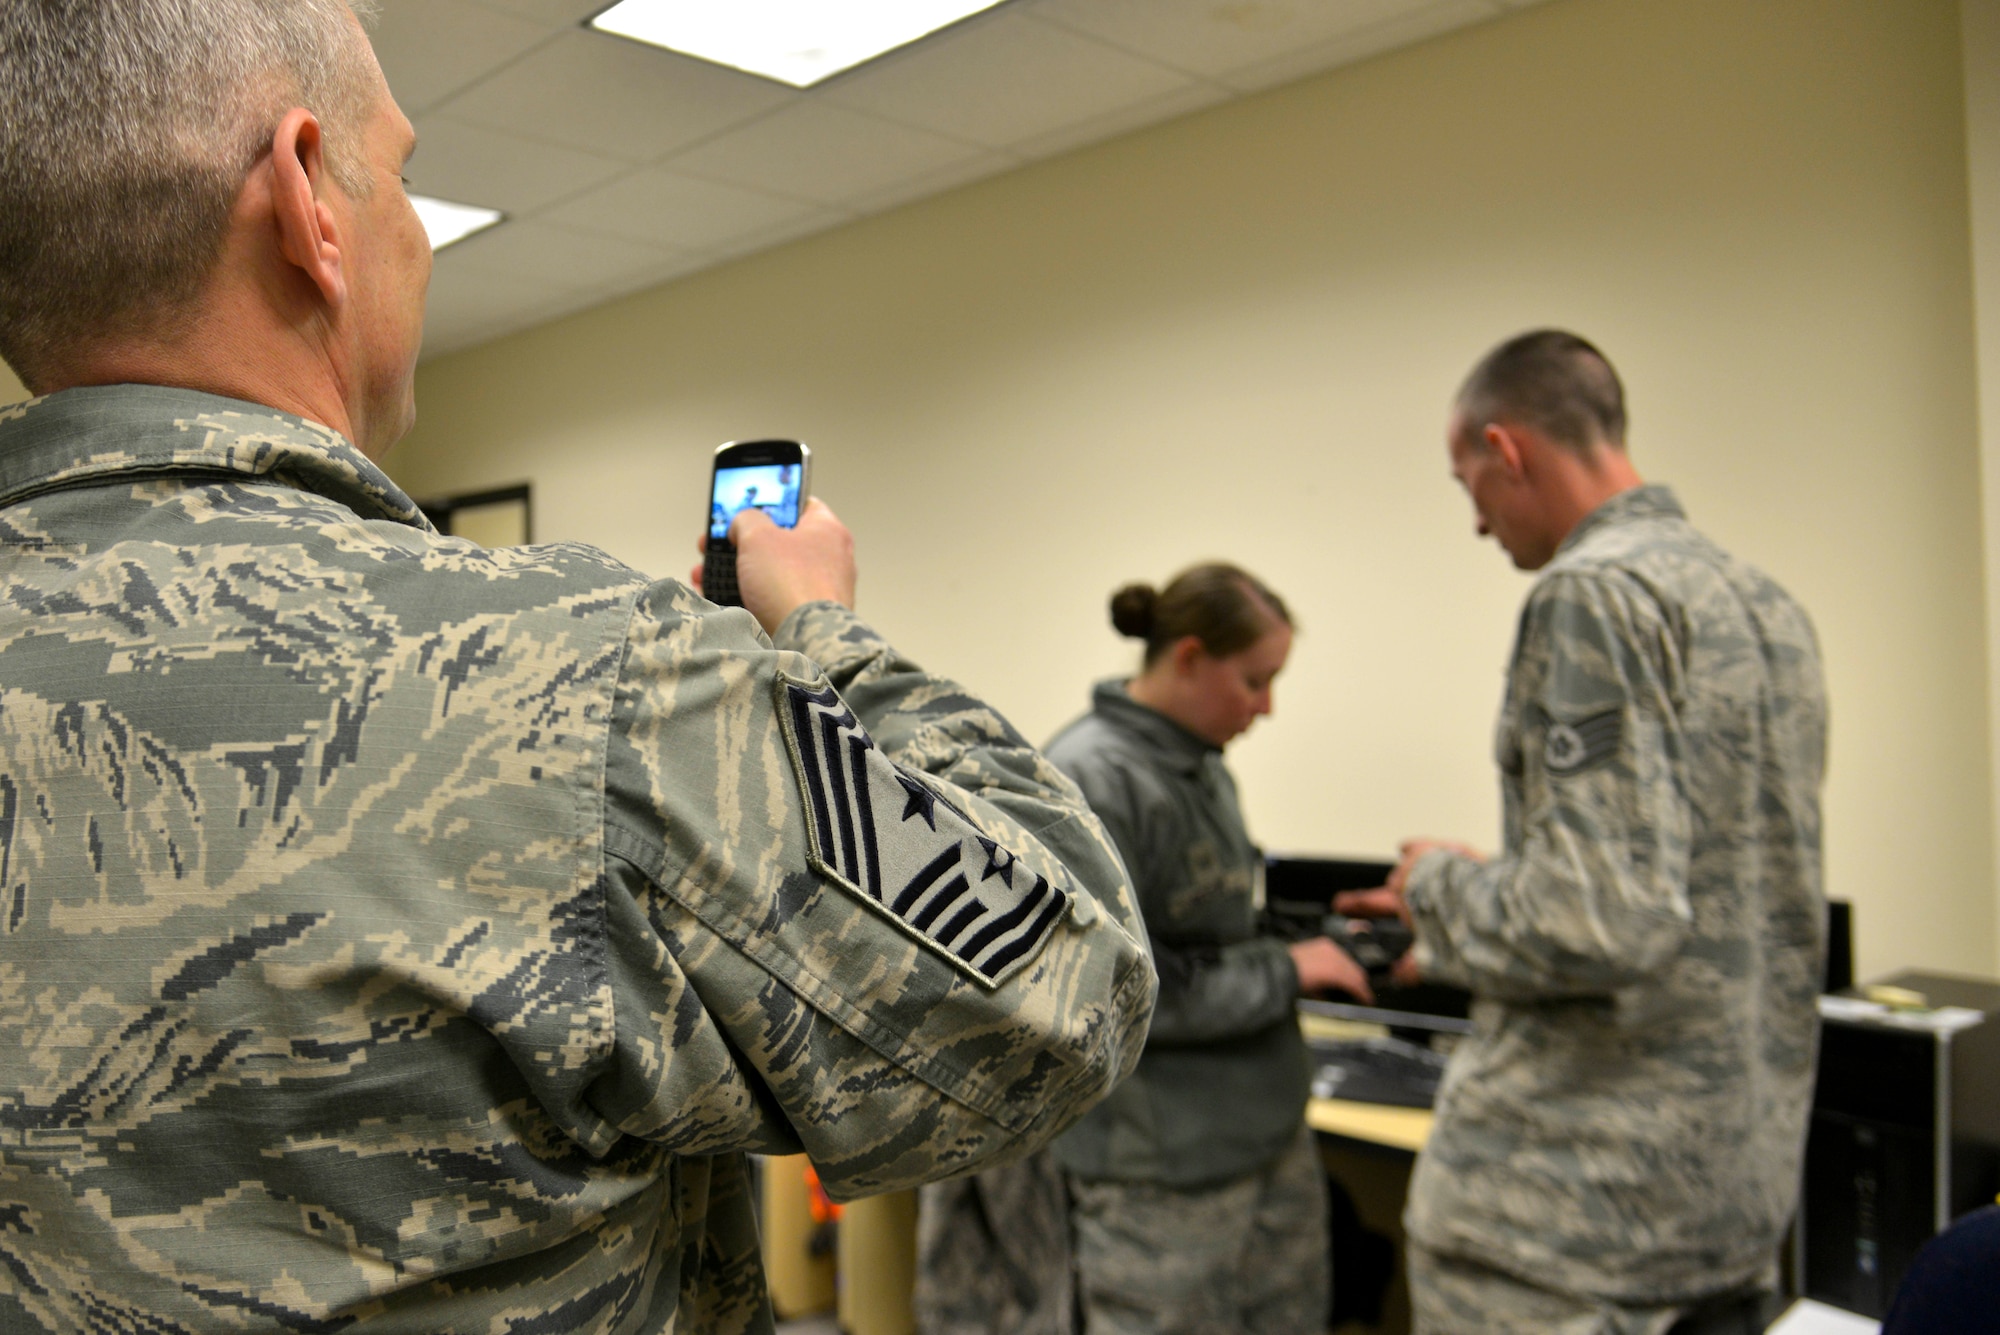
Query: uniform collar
x,y
1650,501
108,433
1176,745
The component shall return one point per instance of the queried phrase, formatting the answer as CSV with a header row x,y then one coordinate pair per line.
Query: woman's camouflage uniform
x,y
1199,1201
1194,1199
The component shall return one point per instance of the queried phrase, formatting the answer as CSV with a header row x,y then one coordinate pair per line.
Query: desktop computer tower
x,y
1905,1137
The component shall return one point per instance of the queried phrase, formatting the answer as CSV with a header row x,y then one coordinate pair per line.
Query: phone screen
x,y
772,488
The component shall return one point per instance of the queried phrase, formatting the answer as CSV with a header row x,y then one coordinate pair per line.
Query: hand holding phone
x,y
782,569
765,475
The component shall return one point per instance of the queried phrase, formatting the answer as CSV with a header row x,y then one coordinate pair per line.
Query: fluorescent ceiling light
x,y
798,42
446,222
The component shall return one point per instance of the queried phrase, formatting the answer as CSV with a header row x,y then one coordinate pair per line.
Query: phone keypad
x,y
718,577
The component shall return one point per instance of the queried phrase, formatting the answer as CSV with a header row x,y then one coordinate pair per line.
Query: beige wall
x,y
1234,335
11,389
1981,27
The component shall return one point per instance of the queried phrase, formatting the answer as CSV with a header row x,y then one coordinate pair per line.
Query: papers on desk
x,y
1806,1317
1943,1020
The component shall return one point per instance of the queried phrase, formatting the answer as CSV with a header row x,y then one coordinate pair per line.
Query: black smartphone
x,y
769,475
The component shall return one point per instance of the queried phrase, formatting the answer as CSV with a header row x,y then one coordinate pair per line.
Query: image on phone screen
x,y
772,488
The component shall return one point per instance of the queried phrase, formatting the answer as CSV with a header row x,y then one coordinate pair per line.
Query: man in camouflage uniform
x,y
1617,1146
400,936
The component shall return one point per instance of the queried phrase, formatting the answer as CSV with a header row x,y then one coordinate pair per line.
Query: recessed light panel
x,y
446,222
798,42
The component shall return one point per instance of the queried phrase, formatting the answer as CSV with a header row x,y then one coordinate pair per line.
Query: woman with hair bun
x,y
1197,1197
1193,1196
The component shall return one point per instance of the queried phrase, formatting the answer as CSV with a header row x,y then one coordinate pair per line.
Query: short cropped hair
x,y
127,129
1224,607
1552,381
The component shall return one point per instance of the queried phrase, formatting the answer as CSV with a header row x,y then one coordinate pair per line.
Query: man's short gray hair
x,y
127,128
1550,380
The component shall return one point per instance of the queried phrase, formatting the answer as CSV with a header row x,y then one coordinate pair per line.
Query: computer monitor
x,y
1839,945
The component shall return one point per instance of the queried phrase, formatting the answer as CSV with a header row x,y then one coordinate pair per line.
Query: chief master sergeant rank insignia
x,y
892,839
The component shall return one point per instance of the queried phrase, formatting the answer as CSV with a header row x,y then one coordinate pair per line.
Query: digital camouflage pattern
x,y
402,936
1448,1294
1221,1090
994,1253
1193,1140
1203,1141
1628,1118
1245,1257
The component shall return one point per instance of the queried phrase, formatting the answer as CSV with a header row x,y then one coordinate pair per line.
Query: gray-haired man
x,y
1617,1146
400,935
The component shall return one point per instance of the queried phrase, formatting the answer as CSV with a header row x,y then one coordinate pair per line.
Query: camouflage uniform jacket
x,y
401,936
1222,1087
1627,1120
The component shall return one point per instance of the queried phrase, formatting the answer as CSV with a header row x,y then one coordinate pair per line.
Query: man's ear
x,y
308,236
1508,444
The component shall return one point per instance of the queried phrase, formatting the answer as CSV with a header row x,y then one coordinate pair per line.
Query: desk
x,y
1369,1149
1372,1123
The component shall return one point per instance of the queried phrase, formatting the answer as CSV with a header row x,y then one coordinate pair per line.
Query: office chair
x,y
1953,1287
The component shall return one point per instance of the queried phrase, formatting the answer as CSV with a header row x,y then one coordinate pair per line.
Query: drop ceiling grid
x,y
621,166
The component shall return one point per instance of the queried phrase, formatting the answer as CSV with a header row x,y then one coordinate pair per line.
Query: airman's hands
x,y
1390,899
1325,967
780,570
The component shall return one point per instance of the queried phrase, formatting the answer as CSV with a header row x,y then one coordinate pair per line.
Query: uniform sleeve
x,y
1590,896
1207,992
850,911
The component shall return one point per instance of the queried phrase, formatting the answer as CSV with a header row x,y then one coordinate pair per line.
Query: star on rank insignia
x,y
1571,748
885,834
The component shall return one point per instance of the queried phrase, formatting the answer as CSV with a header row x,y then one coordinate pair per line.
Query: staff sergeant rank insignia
x,y
889,837
1571,748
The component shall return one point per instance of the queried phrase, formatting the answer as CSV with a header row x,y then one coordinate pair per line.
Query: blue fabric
x,y
1953,1287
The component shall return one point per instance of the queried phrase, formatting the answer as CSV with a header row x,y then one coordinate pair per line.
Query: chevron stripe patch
x,y
887,835
1571,748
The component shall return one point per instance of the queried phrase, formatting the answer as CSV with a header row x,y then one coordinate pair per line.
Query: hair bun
x,y
1132,609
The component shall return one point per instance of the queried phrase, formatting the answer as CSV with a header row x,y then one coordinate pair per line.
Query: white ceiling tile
x,y
1213,37
1402,30
471,328
467,306
624,166
935,183
572,302
458,335
556,255
772,237
661,207
473,165
454,335
1004,81
677,267
824,153
1194,97
429,49
616,98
